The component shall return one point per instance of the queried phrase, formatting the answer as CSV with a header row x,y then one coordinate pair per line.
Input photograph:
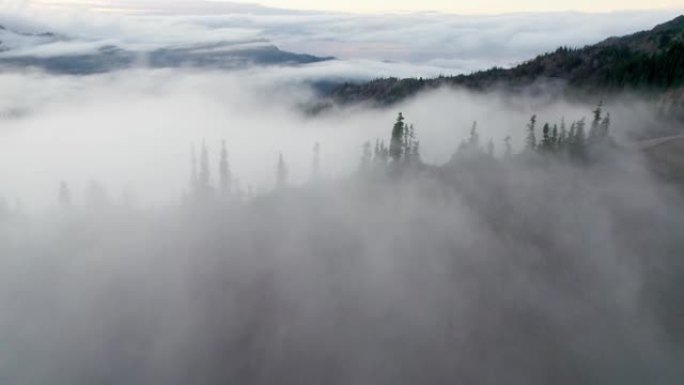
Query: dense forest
x,y
650,61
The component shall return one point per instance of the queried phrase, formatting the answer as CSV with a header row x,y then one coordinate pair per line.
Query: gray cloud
x,y
483,272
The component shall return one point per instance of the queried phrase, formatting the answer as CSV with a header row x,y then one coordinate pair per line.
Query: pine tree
x,y
605,126
406,144
376,153
367,156
384,153
594,130
563,136
571,134
204,172
409,144
224,171
474,140
554,138
415,157
531,140
579,140
508,149
546,138
396,143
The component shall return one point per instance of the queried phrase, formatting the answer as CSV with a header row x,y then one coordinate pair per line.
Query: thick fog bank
x,y
483,272
128,258
133,131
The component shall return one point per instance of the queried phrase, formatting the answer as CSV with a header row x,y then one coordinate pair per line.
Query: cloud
x,y
532,267
454,44
532,273
137,126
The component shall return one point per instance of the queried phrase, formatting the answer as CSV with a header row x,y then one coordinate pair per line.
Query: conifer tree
x,y
562,136
546,138
406,144
594,130
224,171
384,152
367,156
531,140
605,126
474,140
396,142
579,140
571,135
508,152
410,144
204,172
415,157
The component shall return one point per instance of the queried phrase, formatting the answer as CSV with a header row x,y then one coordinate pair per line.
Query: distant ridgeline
x,y
650,61
224,55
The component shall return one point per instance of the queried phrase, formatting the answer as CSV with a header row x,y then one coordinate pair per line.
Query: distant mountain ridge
x,y
107,57
646,61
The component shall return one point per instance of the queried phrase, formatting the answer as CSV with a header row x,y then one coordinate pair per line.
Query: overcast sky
x,y
452,6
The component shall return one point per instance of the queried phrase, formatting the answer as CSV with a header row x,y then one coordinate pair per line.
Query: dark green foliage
x,y
650,61
396,148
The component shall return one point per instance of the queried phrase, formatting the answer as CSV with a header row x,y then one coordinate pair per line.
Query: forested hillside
x,y
649,61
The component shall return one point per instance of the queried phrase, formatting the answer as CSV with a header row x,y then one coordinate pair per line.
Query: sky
x,y
489,6
447,6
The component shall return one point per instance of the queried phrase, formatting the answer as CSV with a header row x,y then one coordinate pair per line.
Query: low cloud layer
x,y
137,127
116,268
481,271
431,43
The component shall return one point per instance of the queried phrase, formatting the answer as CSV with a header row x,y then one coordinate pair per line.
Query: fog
x,y
134,130
429,43
134,250
482,270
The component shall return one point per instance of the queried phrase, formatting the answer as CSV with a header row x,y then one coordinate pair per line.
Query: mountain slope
x,y
649,60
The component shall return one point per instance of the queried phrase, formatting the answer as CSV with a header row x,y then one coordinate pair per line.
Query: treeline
x,y
577,142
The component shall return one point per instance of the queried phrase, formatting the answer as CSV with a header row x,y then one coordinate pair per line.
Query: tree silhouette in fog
x,y
225,176
396,148
64,195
